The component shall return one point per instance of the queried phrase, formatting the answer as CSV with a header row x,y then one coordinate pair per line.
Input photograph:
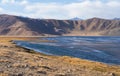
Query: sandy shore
x,y
17,61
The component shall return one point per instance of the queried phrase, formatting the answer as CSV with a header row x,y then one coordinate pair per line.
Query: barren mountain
x,y
22,26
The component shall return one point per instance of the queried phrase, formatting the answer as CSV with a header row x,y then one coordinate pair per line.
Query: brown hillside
x,y
22,26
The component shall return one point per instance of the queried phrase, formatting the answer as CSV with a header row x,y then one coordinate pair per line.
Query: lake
x,y
101,49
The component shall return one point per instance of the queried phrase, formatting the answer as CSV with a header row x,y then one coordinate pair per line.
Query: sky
x,y
61,9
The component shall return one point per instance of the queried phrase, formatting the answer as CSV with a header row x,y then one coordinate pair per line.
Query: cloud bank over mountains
x,y
59,10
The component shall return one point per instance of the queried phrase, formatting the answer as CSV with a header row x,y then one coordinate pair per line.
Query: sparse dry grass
x,y
28,61
97,66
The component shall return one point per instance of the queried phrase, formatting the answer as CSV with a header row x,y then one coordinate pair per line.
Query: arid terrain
x,y
18,61
11,25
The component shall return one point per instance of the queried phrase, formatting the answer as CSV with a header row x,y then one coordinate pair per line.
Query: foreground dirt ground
x,y
18,61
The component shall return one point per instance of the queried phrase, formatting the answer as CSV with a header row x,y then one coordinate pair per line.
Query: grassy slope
x,y
44,64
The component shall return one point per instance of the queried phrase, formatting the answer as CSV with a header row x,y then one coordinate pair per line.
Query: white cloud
x,y
7,1
83,9
1,9
24,2
4,1
114,4
19,2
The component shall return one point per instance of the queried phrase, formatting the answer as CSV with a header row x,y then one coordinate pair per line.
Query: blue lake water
x,y
102,49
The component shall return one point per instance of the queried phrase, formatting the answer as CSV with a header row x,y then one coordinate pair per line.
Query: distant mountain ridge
x,y
76,18
116,18
21,26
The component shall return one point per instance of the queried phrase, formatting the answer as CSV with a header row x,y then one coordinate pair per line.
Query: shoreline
x,y
22,59
38,52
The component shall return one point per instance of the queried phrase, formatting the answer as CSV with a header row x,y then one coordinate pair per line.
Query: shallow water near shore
x,y
101,49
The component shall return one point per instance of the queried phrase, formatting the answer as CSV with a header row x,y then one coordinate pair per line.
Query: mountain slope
x,y
16,25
